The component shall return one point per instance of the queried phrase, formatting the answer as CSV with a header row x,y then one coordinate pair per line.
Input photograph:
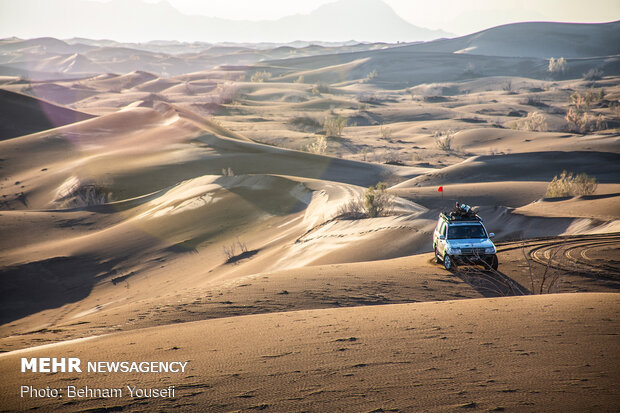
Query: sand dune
x,y
540,166
420,356
22,114
534,39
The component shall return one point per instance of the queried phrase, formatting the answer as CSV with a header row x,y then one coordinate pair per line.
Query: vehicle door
x,y
441,243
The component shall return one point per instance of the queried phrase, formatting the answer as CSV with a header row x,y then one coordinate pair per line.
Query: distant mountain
x,y
534,39
136,20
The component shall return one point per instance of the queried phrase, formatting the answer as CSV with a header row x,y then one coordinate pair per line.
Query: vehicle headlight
x,y
489,250
455,251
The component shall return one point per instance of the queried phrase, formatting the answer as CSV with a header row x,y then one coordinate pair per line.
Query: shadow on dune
x,y
490,283
36,286
22,115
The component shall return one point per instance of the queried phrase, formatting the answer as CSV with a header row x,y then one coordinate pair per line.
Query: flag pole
x,y
440,189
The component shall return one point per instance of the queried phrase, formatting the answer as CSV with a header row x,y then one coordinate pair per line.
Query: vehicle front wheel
x,y
448,263
493,262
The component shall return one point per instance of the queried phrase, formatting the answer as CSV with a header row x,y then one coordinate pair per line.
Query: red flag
x,y
440,189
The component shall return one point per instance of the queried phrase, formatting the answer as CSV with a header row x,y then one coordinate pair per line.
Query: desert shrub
x,y
533,100
320,88
300,79
228,172
443,140
365,151
372,75
319,146
548,280
568,184
593,74
305,123
377,201
392,157
580,122
507,87
234,250
334,125
353,209
369,99
582,102
259,77
386,133
75,193
557,66
579,117
362,106
226,93
534,121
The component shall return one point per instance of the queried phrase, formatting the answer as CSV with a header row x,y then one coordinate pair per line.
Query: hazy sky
x,y
34,18
455,16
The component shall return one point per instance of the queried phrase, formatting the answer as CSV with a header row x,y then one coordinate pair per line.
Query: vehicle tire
x,y
494,262
437,259
448,262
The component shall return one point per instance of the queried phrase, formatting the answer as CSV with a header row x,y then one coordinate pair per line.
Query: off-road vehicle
x,y
460,237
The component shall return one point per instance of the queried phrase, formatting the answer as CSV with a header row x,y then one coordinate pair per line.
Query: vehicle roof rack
x,y
461,212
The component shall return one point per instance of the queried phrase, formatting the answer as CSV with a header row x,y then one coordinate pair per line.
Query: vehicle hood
x,y
471,243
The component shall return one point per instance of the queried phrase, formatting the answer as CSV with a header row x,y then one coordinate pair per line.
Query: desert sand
x,y
187,217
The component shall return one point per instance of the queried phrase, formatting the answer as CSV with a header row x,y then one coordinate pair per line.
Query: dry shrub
x,y
443,140
386,133
305,123
593,74
354,209
547,282
319,146
579,117
534,121
557,66
226,93
74,193
234,250
259,77
392,157
334,125
375,202
533,100
372,75
568,184
320,88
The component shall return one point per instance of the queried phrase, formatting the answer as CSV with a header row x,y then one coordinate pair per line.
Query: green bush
x,y
377,201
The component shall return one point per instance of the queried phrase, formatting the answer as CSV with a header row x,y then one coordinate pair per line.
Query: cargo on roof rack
x,y
461,212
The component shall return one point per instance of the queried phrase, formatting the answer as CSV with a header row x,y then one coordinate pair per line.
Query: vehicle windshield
x,y
466,231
